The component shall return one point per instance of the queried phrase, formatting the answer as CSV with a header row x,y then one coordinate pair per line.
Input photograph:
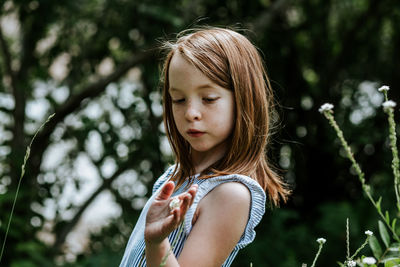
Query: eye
x,y
178,101
210,99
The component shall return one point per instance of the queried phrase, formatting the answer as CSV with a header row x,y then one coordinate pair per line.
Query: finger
x,y
193,191
186,201
190,194
171,222
187,198
166,191
177,217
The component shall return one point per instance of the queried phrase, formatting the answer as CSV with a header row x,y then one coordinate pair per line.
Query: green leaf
x,y
394,224
369,265
395,247
387,217
392,262
375,247
378,204
384,234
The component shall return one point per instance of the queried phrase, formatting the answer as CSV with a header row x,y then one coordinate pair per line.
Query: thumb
x,y
166,191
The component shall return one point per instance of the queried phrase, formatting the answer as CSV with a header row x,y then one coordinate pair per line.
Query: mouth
x,y
194,133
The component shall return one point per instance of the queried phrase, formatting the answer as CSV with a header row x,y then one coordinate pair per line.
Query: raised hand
x,y
161,220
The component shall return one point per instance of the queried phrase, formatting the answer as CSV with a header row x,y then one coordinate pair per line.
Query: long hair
x,y
231,61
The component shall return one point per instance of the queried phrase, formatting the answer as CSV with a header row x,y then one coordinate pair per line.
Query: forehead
x,y
183,73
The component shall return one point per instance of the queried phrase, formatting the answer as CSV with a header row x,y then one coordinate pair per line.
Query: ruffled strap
x,y
257,208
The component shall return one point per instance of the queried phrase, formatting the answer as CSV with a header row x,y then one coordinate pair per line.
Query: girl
x,y
217,101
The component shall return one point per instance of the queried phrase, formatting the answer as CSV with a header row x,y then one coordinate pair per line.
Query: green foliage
x,y
313,50
392,251
384,234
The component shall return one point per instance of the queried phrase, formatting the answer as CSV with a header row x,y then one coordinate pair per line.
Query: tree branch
x,y
74,103
155,121
91,91
62,233
7,57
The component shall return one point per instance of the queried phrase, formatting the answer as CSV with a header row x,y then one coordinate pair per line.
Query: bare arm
x,y
222,218
161,221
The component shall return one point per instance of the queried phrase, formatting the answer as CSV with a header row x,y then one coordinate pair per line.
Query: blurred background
x,y
94,64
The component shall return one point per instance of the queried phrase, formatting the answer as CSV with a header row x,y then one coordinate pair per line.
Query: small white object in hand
x,y
383,88
325,107
321,240
174,203
389,104
369,233
369,260
351,263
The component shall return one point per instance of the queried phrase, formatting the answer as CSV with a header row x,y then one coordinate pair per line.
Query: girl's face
x,y
203,111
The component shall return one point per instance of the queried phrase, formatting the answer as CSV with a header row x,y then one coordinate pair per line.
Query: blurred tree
x,y
92,64
95,65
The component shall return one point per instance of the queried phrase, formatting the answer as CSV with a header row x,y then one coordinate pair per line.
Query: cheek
x,y
177,118
225,121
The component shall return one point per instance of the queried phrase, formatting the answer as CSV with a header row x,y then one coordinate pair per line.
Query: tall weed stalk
x,y
390,254
27,154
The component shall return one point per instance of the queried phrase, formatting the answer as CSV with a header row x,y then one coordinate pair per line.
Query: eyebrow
x,y
203,86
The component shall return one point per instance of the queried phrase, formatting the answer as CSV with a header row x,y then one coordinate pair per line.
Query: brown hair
x,y
230,60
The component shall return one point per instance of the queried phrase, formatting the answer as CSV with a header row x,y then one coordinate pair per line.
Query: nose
x,y
192,113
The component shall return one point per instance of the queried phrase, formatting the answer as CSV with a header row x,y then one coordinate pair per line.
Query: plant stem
x,y
366,188
347,148
393,146
317,255
380,260
27,154
348,238
360,248
164,259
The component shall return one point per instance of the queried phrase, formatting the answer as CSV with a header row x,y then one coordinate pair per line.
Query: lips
x,y
194,133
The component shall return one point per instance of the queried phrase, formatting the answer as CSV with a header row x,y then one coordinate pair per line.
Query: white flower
x,y
369,260
388,104
351,263
383,88
321,240
325,107
175,203
369,233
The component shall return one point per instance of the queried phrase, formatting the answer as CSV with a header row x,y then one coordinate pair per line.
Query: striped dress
x,y
134,255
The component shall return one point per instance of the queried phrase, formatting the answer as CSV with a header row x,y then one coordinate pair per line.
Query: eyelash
x,y
205,99
210,100
178,101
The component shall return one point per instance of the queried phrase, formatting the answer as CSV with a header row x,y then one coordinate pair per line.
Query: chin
x,y
200,148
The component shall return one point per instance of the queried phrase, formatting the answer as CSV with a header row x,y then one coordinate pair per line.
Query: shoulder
x,y
234,186
229,207
237,194
222,217
226,202
230,193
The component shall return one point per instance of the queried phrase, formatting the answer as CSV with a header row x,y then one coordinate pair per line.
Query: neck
x,y
202,160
